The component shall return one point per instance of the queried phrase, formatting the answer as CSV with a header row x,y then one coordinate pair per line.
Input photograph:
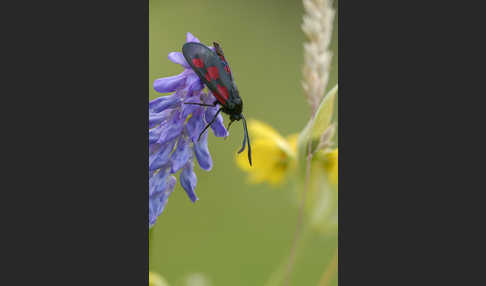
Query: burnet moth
x,y
213,70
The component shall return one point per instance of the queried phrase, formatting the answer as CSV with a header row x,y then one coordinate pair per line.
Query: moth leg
x,y
227,128
201,104
209,124
246,138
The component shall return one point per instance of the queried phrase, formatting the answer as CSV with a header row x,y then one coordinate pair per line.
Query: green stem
x,y
283,274
331,269
279,275
151,235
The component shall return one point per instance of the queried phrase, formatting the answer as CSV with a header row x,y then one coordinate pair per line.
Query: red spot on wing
x,y
223,91
198,62
207,77
226,68
213,72
219,98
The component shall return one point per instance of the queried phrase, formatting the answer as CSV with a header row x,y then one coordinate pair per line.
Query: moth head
x,y
218,49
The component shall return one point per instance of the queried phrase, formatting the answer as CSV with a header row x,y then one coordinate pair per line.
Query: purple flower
x,y
161,184
174,128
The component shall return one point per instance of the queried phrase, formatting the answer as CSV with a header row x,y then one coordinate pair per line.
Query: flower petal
x,y
188,181
194,84
190,38
154,150
154,134
270,163
158,181
164,102
178,58
190,108
158,200
172,129
202,152
262,130
169,84
209,97
156,118
161,156
195,124
181,154
218,126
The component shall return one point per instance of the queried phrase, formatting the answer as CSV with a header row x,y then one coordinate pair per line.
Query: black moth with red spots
x,y
213,69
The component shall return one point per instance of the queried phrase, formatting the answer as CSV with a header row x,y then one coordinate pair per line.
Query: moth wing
x,y
210,69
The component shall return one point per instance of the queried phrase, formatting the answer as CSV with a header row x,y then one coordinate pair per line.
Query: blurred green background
x,y
237,234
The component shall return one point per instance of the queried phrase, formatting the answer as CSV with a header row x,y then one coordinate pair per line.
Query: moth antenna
x,y
244,138
247,137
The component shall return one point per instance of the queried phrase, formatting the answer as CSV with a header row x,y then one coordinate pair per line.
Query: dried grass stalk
x,y
317,26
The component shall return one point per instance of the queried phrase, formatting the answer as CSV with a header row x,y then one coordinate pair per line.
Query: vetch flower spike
x,y
174,128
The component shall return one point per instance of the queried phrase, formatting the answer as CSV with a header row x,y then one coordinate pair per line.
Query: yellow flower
x,y
330,164
273,155
156,280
